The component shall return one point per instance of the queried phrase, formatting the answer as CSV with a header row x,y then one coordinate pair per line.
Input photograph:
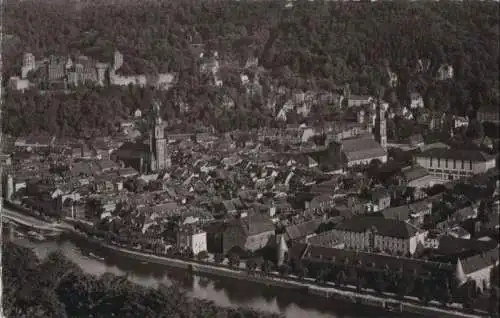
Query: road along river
x,y
223,291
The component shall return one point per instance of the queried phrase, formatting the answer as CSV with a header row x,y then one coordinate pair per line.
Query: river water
x,y
222,291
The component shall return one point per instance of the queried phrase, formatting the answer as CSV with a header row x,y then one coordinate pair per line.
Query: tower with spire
x,y
159,158
380,129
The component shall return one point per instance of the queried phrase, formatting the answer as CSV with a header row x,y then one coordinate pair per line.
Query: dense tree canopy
x,y
55,287
310,45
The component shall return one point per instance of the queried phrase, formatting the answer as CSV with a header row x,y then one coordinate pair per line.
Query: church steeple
x,y
380,130
158,144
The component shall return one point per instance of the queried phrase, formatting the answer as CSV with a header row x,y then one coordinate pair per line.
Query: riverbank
x,y
307,286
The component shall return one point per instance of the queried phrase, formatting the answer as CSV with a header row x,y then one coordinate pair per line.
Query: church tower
x,y
380,130
158,143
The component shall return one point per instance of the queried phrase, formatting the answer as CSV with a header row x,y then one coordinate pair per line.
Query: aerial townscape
x,y
250,159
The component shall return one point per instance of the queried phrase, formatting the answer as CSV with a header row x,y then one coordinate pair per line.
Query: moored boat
x,y
35,235
99,258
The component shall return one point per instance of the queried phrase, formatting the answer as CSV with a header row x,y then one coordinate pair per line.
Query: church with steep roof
x,y
147,157
159,158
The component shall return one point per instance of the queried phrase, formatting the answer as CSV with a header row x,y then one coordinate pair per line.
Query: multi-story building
x,y
249,233
192,238
372,233
445,72
360,151
488,114
417,177
18,84
451,164
413,213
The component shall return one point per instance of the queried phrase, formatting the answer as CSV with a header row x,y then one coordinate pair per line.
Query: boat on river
x,y
19,234
36,236
99,258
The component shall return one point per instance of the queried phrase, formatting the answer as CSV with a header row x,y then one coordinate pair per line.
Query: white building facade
x,y
452,164
379,234
192,239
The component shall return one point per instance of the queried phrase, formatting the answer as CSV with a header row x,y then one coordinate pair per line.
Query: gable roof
x,y
107,164
256,223
380,193
328,238
132,150
479,261
361,148
457,154
450,245
338,256
298,231
384,227
415,172
404,212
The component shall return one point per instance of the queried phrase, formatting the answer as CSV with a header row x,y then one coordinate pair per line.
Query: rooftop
x,y
384,227
335,255
414,173
457,154
360,148
301,230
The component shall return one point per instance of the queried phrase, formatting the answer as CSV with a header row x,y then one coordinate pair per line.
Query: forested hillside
x,y
311,45
56,287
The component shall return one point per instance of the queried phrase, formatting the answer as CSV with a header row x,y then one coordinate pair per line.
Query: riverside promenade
x,y
291,281
10,215
329,291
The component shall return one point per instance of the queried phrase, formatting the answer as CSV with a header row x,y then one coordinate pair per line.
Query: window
x,y
439,162
450,177
454,163
470,164
430,164
463,165
446,163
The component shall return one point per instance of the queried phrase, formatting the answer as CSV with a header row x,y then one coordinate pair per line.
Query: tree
x,y
341,278
482,211
234,260
380,282
469,296
405,284
352,274
218,258
76,294
203,255
321,275
360,283
251,265
267,266
445,294
284,269
493,302
296,51
302,272
425,295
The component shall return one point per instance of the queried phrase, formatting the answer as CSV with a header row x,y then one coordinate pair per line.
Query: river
x,y
224,292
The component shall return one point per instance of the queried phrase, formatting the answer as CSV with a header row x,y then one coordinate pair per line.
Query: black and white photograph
x,y
249,158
